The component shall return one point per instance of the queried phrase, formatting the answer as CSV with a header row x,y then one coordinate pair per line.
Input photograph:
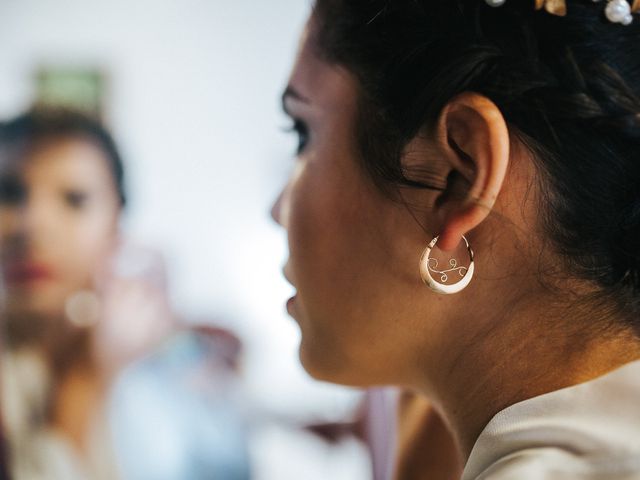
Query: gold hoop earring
x,y
429,266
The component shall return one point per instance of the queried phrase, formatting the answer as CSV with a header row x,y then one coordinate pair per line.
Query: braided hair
x,y
568,87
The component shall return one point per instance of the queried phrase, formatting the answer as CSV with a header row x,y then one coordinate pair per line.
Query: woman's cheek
x,y
91,245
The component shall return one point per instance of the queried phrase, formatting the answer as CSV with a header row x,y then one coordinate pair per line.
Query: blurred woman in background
x,y
61,198
81,304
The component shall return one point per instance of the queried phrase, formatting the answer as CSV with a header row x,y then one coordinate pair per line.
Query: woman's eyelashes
x,y
14,192
302,131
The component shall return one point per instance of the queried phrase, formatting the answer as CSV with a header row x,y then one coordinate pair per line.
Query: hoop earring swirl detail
x,y
429,268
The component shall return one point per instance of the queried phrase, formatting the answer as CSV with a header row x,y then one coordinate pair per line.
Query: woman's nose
x,y
35,218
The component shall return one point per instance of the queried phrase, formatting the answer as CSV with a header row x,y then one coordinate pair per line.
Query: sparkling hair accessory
x,y
616,11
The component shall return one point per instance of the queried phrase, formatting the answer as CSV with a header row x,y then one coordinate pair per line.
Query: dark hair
x,y
567,86
46,123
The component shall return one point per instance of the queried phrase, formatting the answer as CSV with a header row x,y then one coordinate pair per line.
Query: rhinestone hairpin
x,y
616,11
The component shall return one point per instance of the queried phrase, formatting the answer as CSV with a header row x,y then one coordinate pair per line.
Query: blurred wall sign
x,y
77,88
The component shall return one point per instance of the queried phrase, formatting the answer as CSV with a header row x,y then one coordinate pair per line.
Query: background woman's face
x,y
351,261
58,219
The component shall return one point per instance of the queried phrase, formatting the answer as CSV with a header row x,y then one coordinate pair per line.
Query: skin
x,y
425,447
366,317
59,212
65,221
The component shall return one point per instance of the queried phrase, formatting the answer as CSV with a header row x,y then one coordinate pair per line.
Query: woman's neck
x,y
527,356
78,397
78,386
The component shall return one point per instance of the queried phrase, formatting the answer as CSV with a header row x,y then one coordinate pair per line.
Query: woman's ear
x,y
473,139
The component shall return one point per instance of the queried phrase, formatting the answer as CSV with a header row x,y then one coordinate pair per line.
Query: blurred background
x,y
190,91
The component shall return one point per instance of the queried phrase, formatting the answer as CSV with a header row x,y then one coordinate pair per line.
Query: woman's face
x,y
354,252
58,219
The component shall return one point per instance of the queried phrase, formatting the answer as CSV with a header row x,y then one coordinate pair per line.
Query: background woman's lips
x,y
27,272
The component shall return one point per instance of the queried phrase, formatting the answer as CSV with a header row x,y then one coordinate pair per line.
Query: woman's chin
x,y
31,314
325,365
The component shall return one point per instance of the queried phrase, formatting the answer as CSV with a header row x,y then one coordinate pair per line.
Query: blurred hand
x,y
135,314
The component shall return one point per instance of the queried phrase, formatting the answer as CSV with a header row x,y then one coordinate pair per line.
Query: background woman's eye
x,y
302,131
75,199
12,191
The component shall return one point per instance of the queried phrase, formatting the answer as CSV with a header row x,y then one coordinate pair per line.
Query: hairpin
x,y
616,11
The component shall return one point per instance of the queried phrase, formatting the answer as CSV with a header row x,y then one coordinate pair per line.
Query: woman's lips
x,y
287,276
24,273
292,300
290,305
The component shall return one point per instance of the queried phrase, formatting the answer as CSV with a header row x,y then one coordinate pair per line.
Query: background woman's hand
x,y
135,315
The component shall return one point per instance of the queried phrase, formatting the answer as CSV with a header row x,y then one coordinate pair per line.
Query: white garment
x,y
37,452
588,431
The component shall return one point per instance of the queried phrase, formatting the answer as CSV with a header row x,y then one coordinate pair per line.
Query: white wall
x,y
194,102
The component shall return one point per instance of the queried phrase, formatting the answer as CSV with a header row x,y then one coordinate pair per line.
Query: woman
x,y
61,198
463,219
82,304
